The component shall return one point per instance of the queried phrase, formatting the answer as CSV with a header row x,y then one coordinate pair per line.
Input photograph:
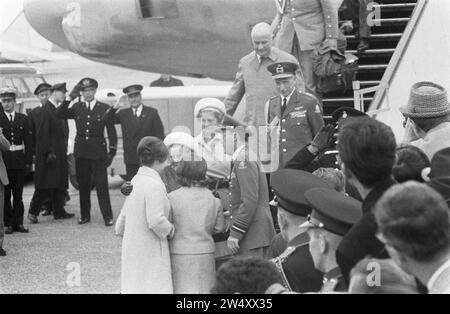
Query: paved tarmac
x,y
49,258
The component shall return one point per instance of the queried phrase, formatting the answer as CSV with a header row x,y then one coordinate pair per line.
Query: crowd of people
x,y
356,212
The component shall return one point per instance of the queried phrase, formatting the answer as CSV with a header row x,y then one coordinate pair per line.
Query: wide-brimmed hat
x,y
427,100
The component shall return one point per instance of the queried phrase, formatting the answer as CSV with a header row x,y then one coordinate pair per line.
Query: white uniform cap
x,y
213,104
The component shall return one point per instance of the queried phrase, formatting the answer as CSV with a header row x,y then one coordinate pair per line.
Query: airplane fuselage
x,y
182,37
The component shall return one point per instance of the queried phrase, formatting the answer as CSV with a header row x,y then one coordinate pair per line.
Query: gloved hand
x,y
75,92
324,139
126,188
51,158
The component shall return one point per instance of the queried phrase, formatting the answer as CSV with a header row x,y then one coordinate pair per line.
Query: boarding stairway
x,y
395,16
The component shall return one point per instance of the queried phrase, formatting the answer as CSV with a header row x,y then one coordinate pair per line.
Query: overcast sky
x,y
8,11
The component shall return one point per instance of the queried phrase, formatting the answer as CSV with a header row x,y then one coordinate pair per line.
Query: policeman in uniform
x,y
17,161
91,154
333,215
137,122
296,264
293,118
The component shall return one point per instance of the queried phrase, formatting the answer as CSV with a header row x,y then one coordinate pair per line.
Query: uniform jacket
x,y
51,137
32,116
134,129
90,142
249,204
361,241
308,21
17,133
254,82
333,281
297,127
296,266
4,147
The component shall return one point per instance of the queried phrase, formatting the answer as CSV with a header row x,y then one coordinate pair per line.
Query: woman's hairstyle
x,y
333,176
246,275
151,149
410,163
192,173
391,278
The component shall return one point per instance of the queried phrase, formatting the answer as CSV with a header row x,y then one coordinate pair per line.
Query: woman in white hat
x,y
211,113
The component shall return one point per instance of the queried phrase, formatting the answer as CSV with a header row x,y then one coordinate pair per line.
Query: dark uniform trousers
x,y
17,133
359,13
132,170
91,152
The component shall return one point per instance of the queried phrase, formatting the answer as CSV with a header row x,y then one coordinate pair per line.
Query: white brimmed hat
x,y
213,104
181,138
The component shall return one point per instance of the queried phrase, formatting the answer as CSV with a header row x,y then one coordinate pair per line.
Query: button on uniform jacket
x,y
301,121
90,142
19,130
134,129
308,21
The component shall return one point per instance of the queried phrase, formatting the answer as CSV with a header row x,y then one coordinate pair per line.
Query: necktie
x,y
135,113
88,106
11,118
283,107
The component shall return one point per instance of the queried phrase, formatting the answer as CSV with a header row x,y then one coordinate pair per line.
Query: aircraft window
x,y
159,9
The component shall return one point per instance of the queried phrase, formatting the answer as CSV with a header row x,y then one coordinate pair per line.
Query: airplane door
x,y
158,9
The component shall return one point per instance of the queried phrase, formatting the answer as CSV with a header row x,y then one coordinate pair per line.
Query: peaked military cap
x,y
282,70
290,186
333,211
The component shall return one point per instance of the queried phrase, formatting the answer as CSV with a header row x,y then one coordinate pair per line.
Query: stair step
x,y
392,21
395,6
389,51
373,67
393,36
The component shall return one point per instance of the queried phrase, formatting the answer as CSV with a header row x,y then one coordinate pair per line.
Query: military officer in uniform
x,y
18,161
251,222
302,26
296,264
91,153
294,118
333,215
137,122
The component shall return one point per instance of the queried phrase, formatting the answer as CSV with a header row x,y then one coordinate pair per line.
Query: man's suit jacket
x,y
19,129
134,129
254,82
296,127
361,241
310,21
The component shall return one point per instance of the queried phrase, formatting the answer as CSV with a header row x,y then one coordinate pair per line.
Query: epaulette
x,y
280,260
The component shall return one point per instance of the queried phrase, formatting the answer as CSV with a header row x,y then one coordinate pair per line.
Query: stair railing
x,y
382,91
359,97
